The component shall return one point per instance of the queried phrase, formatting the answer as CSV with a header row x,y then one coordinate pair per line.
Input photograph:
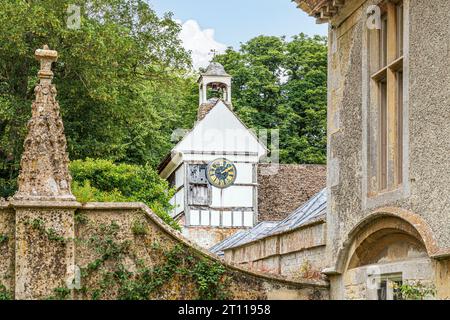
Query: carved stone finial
x,y
46,58
44,173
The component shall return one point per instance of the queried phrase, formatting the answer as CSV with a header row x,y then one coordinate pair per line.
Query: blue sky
x,y
219,24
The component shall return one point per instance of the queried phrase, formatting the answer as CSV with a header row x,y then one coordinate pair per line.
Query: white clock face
x,y
221,173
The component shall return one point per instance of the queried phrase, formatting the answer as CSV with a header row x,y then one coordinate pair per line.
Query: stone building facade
x,y
388,175
388,216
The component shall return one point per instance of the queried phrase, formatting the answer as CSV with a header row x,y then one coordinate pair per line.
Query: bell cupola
x,y
217,82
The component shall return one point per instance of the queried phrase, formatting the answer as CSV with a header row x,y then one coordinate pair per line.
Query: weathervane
x,y
214,52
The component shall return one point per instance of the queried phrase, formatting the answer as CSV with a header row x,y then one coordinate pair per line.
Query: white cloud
x,y
200,43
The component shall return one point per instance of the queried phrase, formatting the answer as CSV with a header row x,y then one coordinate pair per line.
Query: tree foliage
x,y
121,79
124,85
104,181
280,84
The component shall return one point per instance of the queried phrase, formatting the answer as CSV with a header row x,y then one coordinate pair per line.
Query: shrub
x,y
415,290
103,181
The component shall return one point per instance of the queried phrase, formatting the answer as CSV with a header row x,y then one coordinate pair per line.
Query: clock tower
x,y
214,167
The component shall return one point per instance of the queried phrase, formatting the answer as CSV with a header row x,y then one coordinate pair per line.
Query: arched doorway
x,y
383,254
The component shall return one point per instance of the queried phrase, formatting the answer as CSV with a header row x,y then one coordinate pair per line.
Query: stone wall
x,y
44,248
207,237
121,251
298,253
148,249
7,241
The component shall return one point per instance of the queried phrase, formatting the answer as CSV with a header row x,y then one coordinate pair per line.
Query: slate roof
x,y
313,210
244,236
310,211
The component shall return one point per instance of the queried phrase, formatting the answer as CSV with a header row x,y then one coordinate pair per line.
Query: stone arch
x,y
387,245
386,225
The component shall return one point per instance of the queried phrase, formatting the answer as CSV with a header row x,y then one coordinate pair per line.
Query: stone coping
x,y
112,205
199,250
44,204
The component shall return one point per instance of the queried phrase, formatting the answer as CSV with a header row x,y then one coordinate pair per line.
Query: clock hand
x,y
227,168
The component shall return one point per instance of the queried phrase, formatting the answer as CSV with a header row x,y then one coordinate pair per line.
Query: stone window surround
x,y
403,190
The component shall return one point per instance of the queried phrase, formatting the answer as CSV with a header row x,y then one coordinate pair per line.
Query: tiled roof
x,y
282,191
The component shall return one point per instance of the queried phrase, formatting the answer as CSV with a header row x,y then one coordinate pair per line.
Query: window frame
x,y
386,60
389,282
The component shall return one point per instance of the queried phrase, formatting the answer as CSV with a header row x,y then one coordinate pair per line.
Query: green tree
x,y
280,84
104,181
121,79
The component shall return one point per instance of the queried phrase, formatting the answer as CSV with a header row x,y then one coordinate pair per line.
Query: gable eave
x,y
322,10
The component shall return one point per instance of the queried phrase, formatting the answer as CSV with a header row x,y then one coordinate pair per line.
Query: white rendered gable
x,y
221,132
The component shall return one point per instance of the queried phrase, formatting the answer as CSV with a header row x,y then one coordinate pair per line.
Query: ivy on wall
x,y
5,294
52,235
3,239
112,276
